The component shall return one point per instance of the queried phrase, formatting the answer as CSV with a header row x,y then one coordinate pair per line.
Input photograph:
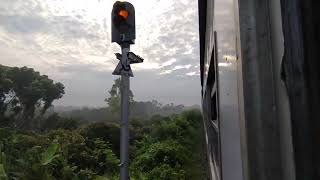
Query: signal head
x,y
123,23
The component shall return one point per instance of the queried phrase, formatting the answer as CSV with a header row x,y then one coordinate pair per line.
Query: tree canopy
x,y
114,99
23,91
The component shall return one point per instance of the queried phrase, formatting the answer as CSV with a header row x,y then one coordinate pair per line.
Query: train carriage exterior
x,y
275,134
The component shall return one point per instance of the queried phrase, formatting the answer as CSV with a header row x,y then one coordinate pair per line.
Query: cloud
x,y
70,42
165,72
17,24
194,73
57,31
169,71
168,63
182,67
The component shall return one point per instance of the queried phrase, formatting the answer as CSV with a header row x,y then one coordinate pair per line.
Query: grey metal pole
x,y
124,137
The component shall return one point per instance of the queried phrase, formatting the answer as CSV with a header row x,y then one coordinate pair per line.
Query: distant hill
x,y
142,110
66,108
192,107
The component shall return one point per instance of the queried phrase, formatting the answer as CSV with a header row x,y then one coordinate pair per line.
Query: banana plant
x,y
50,154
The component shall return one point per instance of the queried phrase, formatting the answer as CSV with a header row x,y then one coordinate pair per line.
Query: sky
x,y
69,40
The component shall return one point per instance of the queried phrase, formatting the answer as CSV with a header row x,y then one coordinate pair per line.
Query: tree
x,y
114,101
23,90
5,85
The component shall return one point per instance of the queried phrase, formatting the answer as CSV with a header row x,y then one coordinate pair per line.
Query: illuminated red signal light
x,y
124,14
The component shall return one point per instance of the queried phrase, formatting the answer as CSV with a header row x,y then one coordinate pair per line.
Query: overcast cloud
x,y
69,40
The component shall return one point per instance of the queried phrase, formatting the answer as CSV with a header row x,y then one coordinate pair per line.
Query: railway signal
x,y
124,33
123,23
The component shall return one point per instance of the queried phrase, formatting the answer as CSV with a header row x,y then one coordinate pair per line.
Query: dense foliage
x,y
60,154
166,143
161,148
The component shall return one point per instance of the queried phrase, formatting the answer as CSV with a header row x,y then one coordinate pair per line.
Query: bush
x,y
162,148
165,172
152,157
60,154
108,132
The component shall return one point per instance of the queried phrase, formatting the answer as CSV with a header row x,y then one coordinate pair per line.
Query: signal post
x,y
124,33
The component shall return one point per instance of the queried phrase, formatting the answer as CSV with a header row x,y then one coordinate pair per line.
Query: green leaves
x,y
171,146
24,90
165,151
3,175
50,154
65,155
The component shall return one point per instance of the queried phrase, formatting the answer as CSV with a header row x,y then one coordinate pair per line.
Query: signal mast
x,y
124,33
